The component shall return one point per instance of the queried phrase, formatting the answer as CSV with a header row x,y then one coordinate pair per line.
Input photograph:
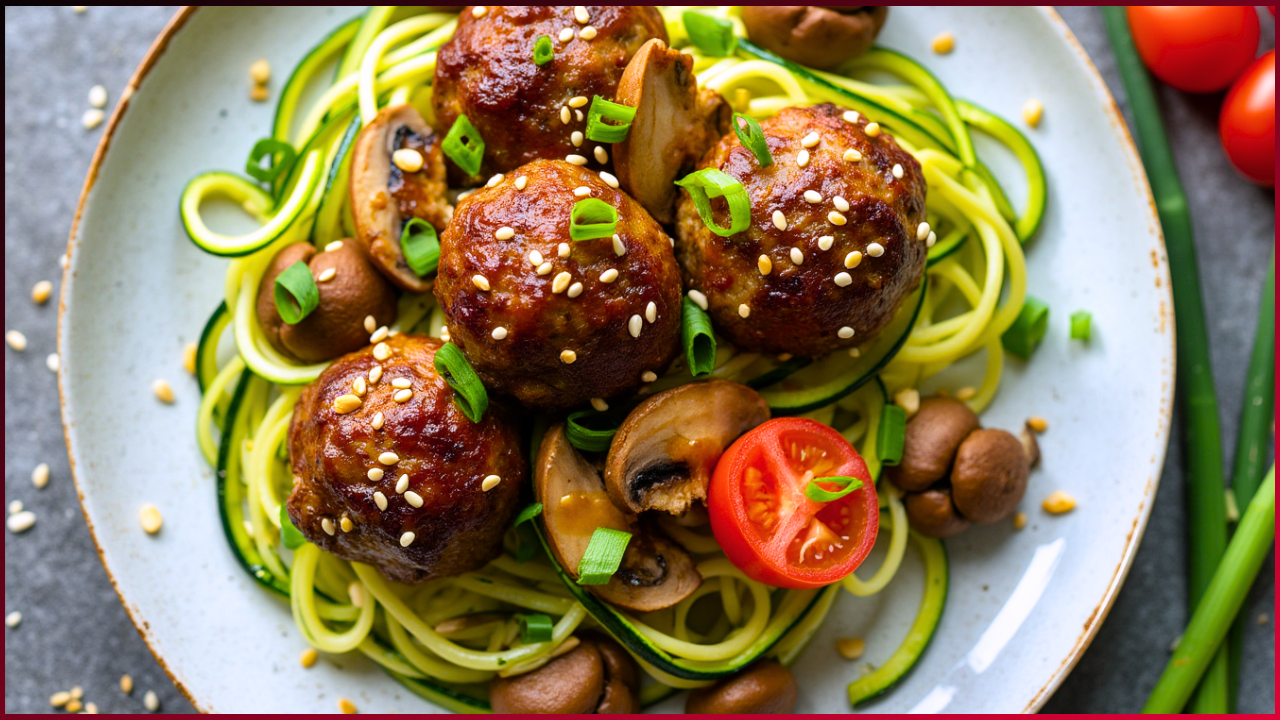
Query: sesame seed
x,y
568,356
21,522
98,95
574,290
651,312
609,179
836,218
908,399
413,498
375,374
578,101
922,231
53,362
931,240
779,220
812,196
41,291
535,257
259,93
15,507
575,160
744,311
379,335
151,701
635,325
566,35
494,180
504,233
491,481
850,116
388,458
189,352
327,525
765,264
333,246
563,250
561,282
92,118
845,332
345,706
852,155
259,73
16,340
618,248
966,393
897,171
544,269
150,518
377,421
609,275
359,386
875,249
810,140
855,352
126,684
380,500
401,383
376,474
841,204
370,323
403,396
381,351
1032,112
648,376
59,699
599,404
327,275
309,657
843,279
407,159
13,619
826,241
853,259
581,15
402,483
797,256
582,191
565,115
802,158
499,333
943,44
698,298
344,404
480,282
588,33
521,182
872,129
479,11
345,524
40,476
162,390
602,155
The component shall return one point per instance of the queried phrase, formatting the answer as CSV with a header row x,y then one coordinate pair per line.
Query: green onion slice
x,y
527,544
543,50
1081,325
535,628
464,146
712,35
292,536
892,435
817,493
699,341
267,148
602,110
603,556
468,392
1024,336
587,438
421,247
709,183
752,138
296,293
592,218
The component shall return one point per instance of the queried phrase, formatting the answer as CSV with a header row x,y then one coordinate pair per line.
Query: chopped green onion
x,y
468,392
602,110
526,537
267,148
464,146
712,35
543,50
535,628
699,340
292,536
752,138
296,293
1024,336
592,218
712,183
892,436
590,439
1080,325
817,493
421,247
528,513
603,556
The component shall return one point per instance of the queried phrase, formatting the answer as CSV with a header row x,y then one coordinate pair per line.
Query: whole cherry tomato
x,y
1247,126
1195,48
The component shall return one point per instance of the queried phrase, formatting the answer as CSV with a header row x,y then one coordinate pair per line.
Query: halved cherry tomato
x,y
1247,126
765,523
1195,48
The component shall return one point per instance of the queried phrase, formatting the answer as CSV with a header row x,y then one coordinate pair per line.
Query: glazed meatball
x,y
832,247
350,442
548,320
486,72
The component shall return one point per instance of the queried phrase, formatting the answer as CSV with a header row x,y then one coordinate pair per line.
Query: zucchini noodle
x,y
446,637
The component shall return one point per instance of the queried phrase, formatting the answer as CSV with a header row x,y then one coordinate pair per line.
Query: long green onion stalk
x,y
1206,486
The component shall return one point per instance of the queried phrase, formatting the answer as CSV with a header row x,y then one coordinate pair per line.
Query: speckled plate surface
x,y
1023,605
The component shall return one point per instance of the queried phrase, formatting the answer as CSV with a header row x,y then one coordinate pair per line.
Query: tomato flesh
x,y
768,527
1195,48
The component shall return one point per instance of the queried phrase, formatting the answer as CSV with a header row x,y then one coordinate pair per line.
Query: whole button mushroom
x,y
990,476
353,291
820,37
933,436
766,688
570,684
621,677
932,513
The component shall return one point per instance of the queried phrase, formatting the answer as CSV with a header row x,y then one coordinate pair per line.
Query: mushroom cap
x,y
571,683
820,37
764,688
933,436
990,476
336,326
674,124
665,451
932,513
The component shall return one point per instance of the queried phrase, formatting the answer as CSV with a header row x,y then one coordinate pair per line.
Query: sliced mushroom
x,y
664,452
655,573
384,196
674,125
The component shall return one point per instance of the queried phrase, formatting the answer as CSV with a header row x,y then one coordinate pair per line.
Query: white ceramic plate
x,y
1023,605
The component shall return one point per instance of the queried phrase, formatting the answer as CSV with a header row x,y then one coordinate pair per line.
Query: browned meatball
x,y
486,72
555,330
855,233
345,495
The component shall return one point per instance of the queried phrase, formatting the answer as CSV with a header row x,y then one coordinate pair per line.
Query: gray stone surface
x,y
74,631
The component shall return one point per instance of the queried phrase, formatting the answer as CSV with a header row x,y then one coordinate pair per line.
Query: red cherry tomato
x,y
765,523
1247,125
1195,48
